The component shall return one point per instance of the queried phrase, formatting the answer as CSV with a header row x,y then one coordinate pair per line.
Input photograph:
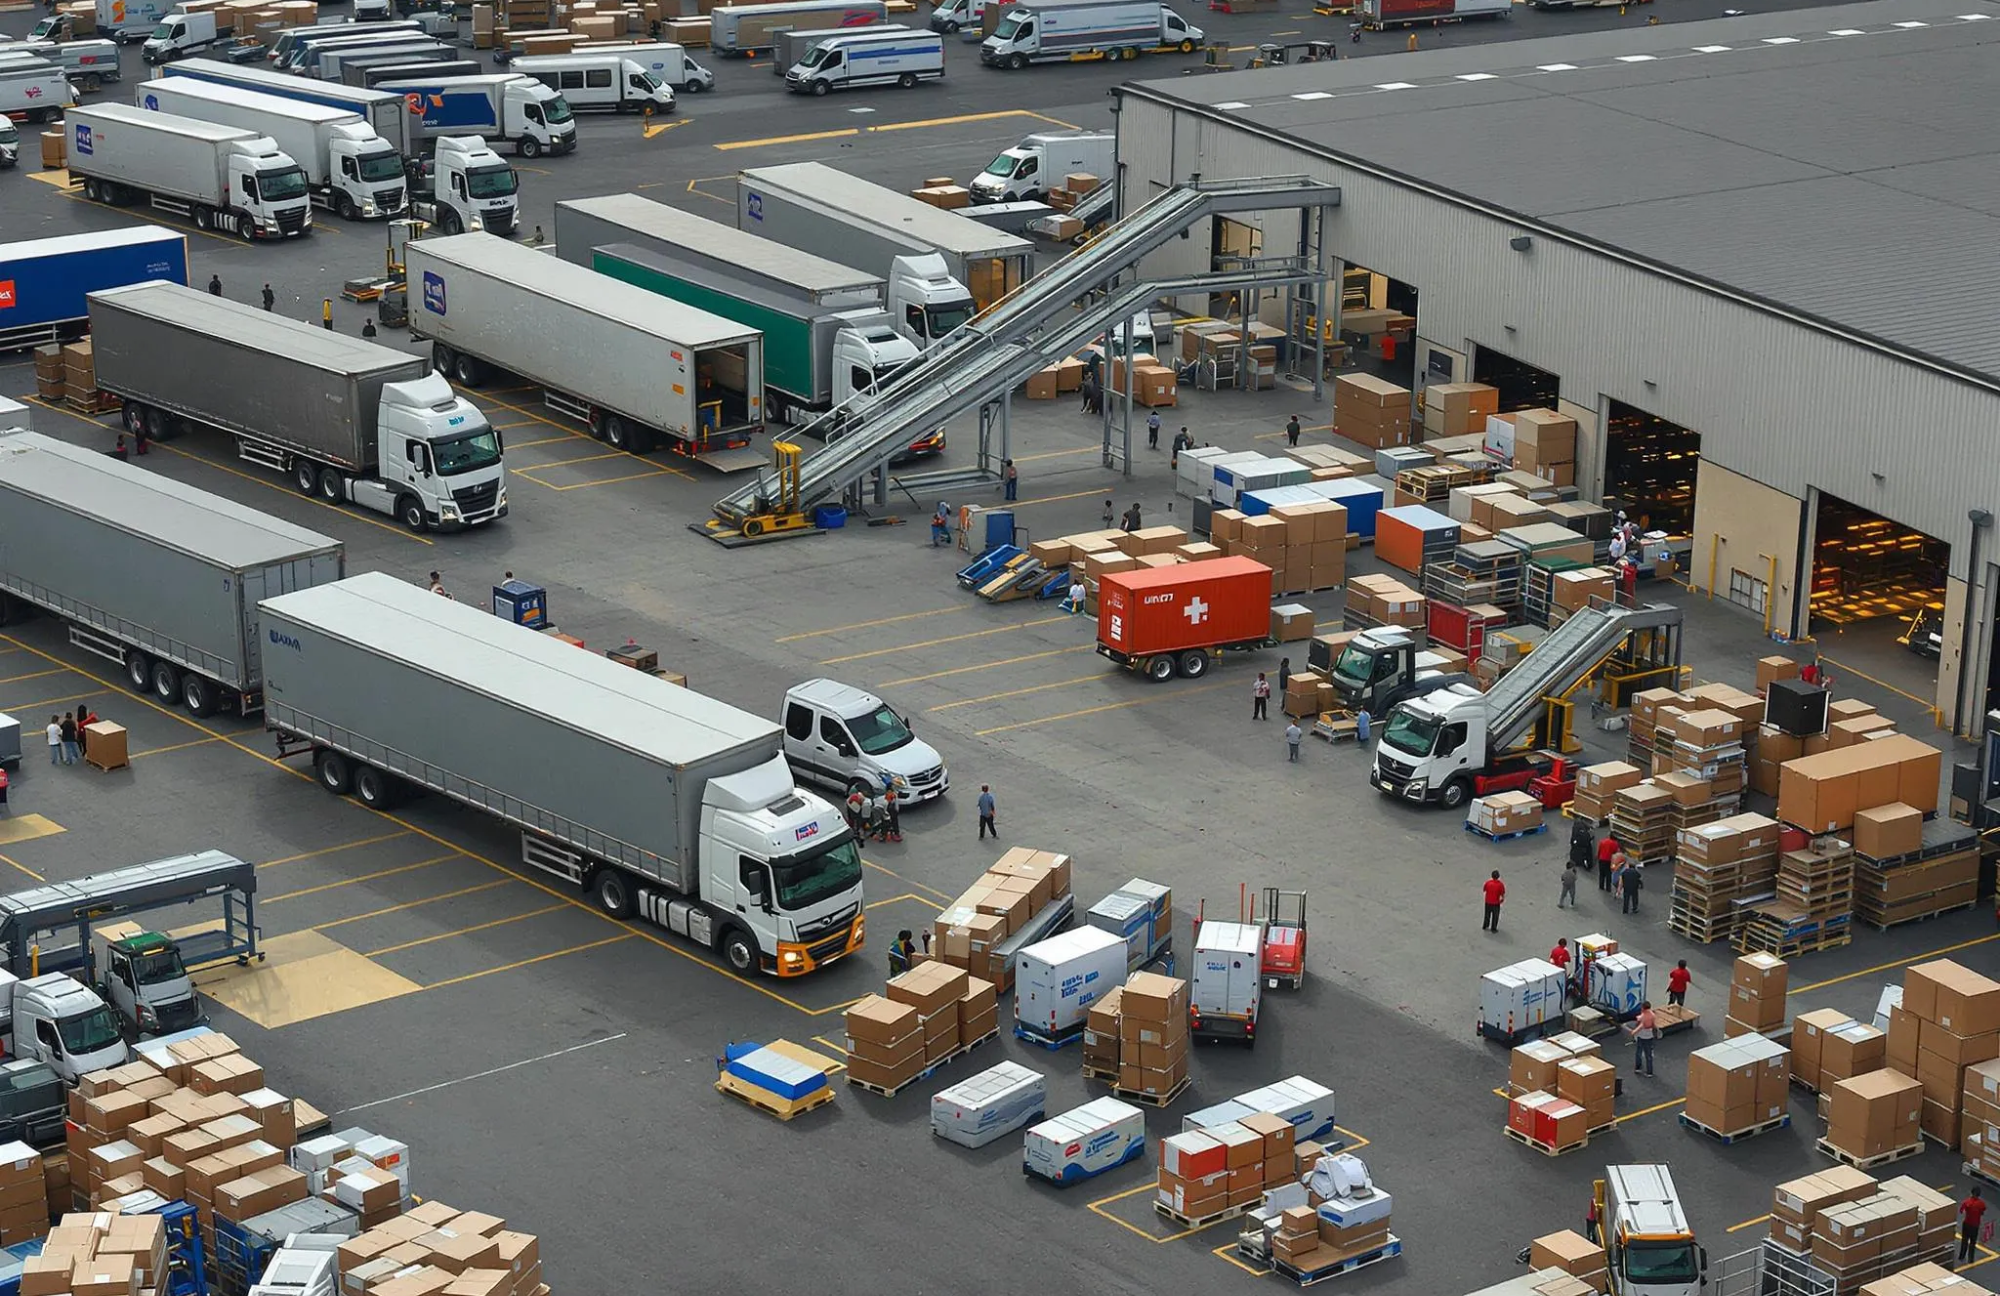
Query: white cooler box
x,y
1098,1136
1056,980
1521,994
1307,1104
997,1101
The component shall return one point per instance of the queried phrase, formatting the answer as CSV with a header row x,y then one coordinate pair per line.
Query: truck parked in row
x,y
1041,161
123,21
49,280
36,90
342,62
182,35
868,56
588,79
57,1020
750,28
515,110
638,371
154,575
90,65
345,419
1378,15
1069,32
348,167
220,177
465,186
669,64
305,58
287,53
393,689
386,112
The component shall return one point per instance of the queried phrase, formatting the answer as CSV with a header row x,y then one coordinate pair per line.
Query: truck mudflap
x,y
798,960
742,459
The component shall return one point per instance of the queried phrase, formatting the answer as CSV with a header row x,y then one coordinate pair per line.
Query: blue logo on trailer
x,y
808,830
152,103
83,144
284,640
754,204
433,292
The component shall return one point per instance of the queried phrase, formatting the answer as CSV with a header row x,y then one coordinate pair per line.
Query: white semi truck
x,y
220,177
349,168
647,796
1070,31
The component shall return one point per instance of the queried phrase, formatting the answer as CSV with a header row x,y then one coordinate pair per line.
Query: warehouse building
x,y
1757,259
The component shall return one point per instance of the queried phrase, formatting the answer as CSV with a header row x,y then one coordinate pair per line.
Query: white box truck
x,y
1084,1142
1072,32
669,63
648,796
345,419
181,35
1378,15
349,168
1226,985
35,89
515,110
590,79
1056,981
873,56
388,112
750,28
56,1019
220,177
124,21
1040,162
630,365
844,218
463,185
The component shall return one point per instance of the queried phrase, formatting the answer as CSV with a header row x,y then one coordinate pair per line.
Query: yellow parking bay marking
x,y
1098,710
527,962
364,877
304,975
19,828
1004,661
16,864
465,931
870,625
412,904
852,131
932,643
1032,688
327,850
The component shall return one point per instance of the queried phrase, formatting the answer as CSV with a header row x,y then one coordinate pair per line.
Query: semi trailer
x,y
220,177
647,796
1378,15
347,420
45,284
1072,31
387,112
516,110
157,576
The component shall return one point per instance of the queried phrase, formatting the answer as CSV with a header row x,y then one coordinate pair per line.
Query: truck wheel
x,y
166,683
138,670
1017,62
375,788
820,88
92,191
410,512
345,206
332,486
246,229
441,358
1128,54
1187,47
614,893
452,224
1455,794
92,83
738,951
1194,664
693,85
157,428
616,434
908,80
468,370
1159,669
305,476
529,147
197,695
333,772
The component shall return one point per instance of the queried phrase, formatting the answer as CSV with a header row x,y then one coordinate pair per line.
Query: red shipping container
x,y
1191,605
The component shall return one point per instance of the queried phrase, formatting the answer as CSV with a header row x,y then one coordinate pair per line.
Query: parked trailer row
x,y
220,177
49,281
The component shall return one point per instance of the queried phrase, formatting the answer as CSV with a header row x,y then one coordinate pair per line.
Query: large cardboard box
x,y
1874,1113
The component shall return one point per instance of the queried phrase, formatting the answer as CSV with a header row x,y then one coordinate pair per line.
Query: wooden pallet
x,y
1735,1136
927,1072
1202,1221
1472,827
1307,1277
765,1101
1979,1174
1879,924
1868,1163
1546,1149
1109,1075
1154,1100
1673,1018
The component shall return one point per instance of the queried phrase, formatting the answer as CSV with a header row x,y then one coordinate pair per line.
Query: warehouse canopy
x,y
1837,162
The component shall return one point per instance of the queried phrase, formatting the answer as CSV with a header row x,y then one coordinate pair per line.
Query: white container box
x,y
1618,981
389,1155
1130,919
998,1100
1307,1104
1499,438
1089,1140
1521,994
1187,475
1220,1114
1225,980
1056,980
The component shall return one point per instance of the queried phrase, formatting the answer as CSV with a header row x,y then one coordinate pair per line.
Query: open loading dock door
x,y
1649,468
1520,384
1868,568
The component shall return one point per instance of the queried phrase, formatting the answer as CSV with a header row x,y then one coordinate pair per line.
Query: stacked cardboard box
x,y
1382,600
1575,1255
1548,1120
1315,546
1858,1231
1814,906
1810,1031
934,989
1717,867
1349,1217
51,373
1545,445
885,1042
1371,411
949,197
1503,814
1758,986
1880,1111
1458,409
1738,1085
1153,1036
1102,1042
1956,1013
1224,1167
1307,694
437,1248
1980,1118
24,1195
1822,792
1597,786
1291,622
80,379
969,933
1923,1279
1642,821
1898,879
1592,1084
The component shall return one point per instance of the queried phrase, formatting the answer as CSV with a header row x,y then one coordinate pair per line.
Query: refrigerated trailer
x,y
45,284
345,419
647,796
1380,14
159,577
389,113
633,367
220,177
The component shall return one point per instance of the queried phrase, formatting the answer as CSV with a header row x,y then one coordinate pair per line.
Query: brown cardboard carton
x,y
1151,997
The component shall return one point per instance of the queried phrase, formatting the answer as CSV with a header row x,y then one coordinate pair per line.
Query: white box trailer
x,y
749,28
1085,1142
631,365
220,177
1056,981
997,1101
1226,987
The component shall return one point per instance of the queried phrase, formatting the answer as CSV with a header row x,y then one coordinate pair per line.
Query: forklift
x,y
786,517
1284,921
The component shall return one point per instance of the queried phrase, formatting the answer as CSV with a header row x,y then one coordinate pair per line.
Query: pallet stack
x,y
1718,869
1861,1233
1954,1013
1980,1120
1371,411
1225,1168
1758,987
80,379
1906,869
1642,819
1575,1255
1814,908
1153,1038
1738,1088
1597,788
975,931
50,373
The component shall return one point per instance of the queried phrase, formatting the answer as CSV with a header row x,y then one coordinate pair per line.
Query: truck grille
x,y
828,949
390,201
809,931
475,498
181,1016
290,223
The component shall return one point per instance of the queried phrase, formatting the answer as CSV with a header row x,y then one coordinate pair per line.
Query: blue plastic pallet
x,y
1047,1041
1472,827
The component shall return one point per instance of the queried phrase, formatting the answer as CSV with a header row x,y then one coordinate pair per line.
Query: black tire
x,y
1017,62
738,951
197,695
92,190
529,147
156,425
1455,794
467,369
1193,664
616,434
374,788
693,85
410,512
332,486
92,83
345,206
442,357
138,670
820,88
908,80
166,683
305,475
246,229
1159,669
613,893
452,224
333,772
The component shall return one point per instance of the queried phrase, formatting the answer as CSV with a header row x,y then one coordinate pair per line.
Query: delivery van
x,y
846,738
886,55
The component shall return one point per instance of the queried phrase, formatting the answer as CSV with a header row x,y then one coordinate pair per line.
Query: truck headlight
x,y
503,496
448,511
860,930
368,207
147,1017
898,782
793,958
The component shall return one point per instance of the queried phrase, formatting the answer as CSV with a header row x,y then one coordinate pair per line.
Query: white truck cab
x,y
56,1019
179,35
929,305
1432,746
470,187
841,736
433,443
1041,161
1647,1240
140,974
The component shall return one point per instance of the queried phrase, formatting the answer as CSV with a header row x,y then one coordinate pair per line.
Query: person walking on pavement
x,y
68,723
1496,895
1292,431
1361,719
270,298
1568,892
1607,850
83,719
1260,698
55,741
1582,845
1645,1029
1970,1212
1013,481
1284,673
855,804
1293,734
892,814
1153,430
1629,885
941,525
215,285
1677,984
987,822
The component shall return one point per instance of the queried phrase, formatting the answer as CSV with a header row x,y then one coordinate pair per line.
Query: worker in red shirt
x,y
1677,985
1970,1212
1606,850
1496,892
1560,954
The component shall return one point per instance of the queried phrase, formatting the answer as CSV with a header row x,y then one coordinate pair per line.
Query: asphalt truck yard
x,y
556,1065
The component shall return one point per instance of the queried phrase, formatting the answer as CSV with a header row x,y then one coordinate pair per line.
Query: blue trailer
x,y
44,282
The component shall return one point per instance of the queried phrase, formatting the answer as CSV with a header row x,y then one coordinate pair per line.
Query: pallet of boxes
x,y
1136,1039
1584,1267
1371,411
1738,1089
921,1020
1844,1225
1222,1170
1561,1090
1022,898
1344,1224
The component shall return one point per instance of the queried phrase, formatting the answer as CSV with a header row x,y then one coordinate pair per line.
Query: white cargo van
x,y
38,91
885,55
1226,988
669,63
588,79
59,1020
838,735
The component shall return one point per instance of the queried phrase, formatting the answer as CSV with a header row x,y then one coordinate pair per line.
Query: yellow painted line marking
x,y
1004,661
870,625
838,1048
932,643
1019,692
806,138
324,850
908,895
1099,710
612,481
1648,1111
364,877
408,827
564,463
156,217
267,484
161,751
970,117
1354,1141
1926,703
527,962
413,904
1096,1207
502,427
1749,1223
842,1006
575,432
703,193
67,697
465,931
908,882
1899,963
1056,499
1226,1252
648,132
1057,454
14,863
16,679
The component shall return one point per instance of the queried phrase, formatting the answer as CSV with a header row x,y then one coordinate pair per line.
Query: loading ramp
x,y
1576,648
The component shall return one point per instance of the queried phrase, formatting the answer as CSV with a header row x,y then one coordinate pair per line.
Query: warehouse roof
x,y
1838,162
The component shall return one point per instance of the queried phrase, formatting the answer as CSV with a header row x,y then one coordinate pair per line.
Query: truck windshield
x,y
164,32
814,57
1354,667
804,880
9,133
556,110
1008,27
94,1030
1660,1262
279,186
158,966
1411,733
949,317
881,730
1003,165
377,167
480,449
491,182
